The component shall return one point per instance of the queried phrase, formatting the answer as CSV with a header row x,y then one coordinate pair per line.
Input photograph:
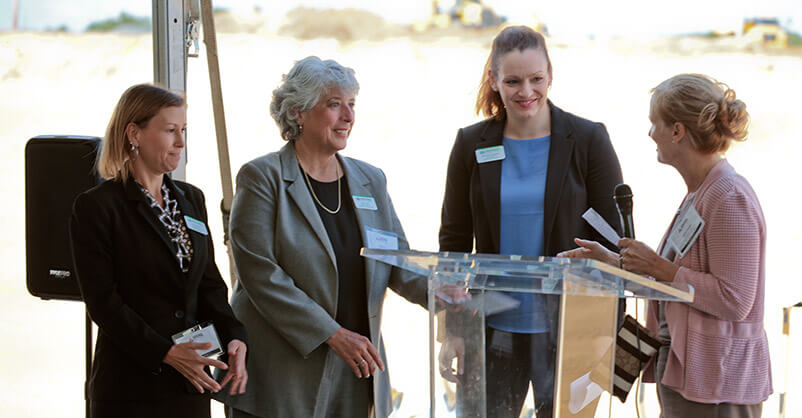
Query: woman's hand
x,y
237,373
453,347
452,296
638,258
189,363
357,351
592,250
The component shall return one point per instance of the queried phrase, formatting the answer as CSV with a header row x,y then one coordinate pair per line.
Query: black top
x,y
346,239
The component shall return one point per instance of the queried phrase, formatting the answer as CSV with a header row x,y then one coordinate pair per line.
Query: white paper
x,y
583,392
601,226
491,303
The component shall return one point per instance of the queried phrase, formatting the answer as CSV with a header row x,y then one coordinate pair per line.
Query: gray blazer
x,y
286,294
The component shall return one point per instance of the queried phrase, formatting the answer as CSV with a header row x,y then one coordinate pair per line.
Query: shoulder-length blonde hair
x,y
513,38
138,105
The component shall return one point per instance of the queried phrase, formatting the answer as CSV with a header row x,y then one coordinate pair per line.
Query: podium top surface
x,y
512,273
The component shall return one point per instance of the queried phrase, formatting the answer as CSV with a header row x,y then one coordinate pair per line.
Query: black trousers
x,y
513,361
188,407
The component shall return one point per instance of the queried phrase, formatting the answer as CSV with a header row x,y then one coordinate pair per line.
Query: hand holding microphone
x,y
635,256
595,251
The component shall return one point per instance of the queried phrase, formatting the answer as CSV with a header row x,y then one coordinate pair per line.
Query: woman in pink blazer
x,y
716,363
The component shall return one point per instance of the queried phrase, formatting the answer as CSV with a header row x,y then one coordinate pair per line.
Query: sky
x,y
627,18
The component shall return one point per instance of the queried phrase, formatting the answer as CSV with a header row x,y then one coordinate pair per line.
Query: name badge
x,y
486,155
201,333
364,202
687,229
381,240
196,225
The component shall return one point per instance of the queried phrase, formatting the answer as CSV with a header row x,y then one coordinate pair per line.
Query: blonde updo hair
x,y
713,117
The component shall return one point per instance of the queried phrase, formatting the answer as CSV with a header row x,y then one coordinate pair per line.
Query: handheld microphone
x,y
623,200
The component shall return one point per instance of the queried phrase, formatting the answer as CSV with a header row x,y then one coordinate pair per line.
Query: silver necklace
x,y
339,191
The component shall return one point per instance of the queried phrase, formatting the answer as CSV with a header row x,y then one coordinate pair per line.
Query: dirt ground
x,y
415,92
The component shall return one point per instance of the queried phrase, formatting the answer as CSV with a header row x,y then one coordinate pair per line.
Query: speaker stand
x,y
88,361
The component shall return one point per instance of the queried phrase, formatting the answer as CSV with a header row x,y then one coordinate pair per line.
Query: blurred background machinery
x,y
471,14
765,31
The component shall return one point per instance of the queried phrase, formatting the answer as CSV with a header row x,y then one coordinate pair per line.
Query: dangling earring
x,y
135,151
300,129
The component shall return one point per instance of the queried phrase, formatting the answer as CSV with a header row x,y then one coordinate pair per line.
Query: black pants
x,y
513,362
232,412
189,407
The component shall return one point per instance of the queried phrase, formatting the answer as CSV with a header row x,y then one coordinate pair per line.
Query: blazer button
x,y
179,314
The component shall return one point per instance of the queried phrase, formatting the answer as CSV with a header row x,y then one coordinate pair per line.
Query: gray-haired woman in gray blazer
x,y
311,303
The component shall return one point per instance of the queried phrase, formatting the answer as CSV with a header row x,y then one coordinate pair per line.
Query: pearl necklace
x,y
339,191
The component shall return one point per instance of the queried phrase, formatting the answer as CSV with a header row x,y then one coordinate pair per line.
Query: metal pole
x,y
170,55
787,333
88,361
15,22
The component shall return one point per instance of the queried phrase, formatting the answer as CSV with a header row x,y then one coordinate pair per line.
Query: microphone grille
x,y
623,190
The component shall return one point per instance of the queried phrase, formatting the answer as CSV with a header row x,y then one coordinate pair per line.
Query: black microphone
x,y
623,200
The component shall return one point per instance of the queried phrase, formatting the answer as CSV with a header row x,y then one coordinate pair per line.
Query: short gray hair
x,y
301,89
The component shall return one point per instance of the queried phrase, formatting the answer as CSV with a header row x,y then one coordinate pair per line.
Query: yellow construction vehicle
x,y
462,13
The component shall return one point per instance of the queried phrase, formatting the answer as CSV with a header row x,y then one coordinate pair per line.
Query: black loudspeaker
x,y
57,169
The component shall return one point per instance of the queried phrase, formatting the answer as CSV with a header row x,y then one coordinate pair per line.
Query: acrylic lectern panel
x,y
513,309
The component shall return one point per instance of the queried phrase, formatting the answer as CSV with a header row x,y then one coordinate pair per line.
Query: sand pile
x,y
345,25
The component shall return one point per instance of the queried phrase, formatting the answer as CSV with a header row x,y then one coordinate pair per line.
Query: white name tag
x,y
380,240
201,333
486,155
364,202
196,225
686,230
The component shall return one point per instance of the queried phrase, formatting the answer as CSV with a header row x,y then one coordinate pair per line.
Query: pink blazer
x,y
719,350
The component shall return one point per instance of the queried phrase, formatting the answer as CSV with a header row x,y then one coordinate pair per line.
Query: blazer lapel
x,y
560,149
135,195
359,184
490,179
299,192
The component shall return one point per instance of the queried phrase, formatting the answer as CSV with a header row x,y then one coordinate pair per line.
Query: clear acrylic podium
x,y
585,327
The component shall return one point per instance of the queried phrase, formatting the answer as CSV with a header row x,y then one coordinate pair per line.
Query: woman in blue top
x,y
527,200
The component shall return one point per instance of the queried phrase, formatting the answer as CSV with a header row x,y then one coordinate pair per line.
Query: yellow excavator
x,y
461,13
473,14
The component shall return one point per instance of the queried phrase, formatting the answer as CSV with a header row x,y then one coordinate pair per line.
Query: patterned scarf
x,y
171,218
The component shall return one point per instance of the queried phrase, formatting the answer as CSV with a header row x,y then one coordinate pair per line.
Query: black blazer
x,y
136,293
583,171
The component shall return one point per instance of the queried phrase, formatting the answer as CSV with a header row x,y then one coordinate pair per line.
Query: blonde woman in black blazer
x,y
146,270
577,169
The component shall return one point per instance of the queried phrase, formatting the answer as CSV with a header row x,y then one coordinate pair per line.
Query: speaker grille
x,y
57,170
